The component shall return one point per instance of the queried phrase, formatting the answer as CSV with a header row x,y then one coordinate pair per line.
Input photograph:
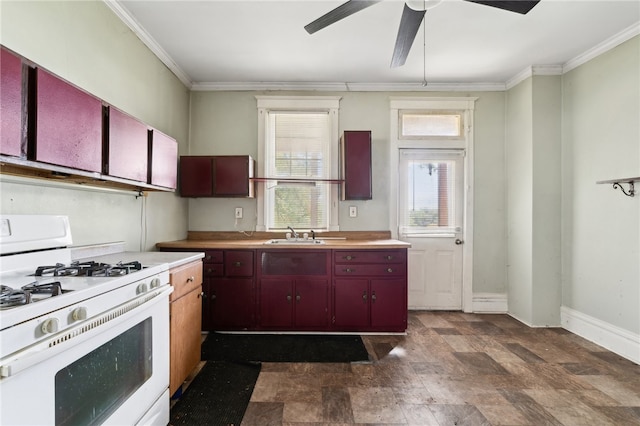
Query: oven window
x,y
88,391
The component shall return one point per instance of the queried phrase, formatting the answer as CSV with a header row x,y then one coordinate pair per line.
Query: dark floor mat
x,y
283,348
218,395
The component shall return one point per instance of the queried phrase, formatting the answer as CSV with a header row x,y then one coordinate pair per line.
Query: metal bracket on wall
x,y
618,183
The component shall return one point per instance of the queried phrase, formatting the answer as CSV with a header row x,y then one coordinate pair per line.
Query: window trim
x,y
266,104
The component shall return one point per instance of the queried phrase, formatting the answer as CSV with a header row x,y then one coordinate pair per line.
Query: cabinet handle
x,y
389,269
288,298
298,298
349,257
191,279
373,297
389,257
237,264
201,295
208,257
349,270
364,296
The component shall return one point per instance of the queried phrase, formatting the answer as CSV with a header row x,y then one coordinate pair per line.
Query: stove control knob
x,y
155,283
49,326
142,288
79,314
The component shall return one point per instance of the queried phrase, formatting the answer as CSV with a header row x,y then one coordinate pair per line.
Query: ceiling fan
x,y
412,16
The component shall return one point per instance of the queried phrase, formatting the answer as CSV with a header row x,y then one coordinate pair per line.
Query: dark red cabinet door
x,y
164,160
231,304
68,125
388,305
196,176
231,176
311,304
351,304
276,303
11,104
128,147
356,163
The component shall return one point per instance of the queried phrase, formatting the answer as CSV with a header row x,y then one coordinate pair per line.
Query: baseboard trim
x,y
611,337
490,303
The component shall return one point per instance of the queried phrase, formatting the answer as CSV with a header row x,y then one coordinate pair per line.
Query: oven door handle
x,y
67,338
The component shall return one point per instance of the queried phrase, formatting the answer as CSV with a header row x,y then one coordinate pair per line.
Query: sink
x,y
298,242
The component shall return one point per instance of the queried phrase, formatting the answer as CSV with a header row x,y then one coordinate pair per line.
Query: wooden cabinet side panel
x,y
128,146
185,337
68,125
164,160
10,104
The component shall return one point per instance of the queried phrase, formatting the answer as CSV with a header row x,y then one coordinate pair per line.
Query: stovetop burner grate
x,y
10,297
89,269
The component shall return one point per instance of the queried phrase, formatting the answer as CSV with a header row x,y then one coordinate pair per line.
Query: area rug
x,y
220,393
283,348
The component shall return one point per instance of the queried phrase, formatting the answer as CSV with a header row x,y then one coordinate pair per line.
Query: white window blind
x,y
298,149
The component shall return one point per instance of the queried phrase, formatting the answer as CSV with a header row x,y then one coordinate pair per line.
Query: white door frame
x,y
466,104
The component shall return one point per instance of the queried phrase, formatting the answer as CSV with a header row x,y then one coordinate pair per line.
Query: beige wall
x,y
86,44
226,123
601,226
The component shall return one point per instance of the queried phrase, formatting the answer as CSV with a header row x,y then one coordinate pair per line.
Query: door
x,y
430,217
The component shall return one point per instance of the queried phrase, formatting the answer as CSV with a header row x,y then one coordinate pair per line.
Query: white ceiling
x,y
218,44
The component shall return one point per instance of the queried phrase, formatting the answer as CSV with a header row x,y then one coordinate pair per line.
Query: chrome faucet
x,y
293,232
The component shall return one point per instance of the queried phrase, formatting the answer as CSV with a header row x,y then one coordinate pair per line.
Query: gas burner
x,y
10,297
88,269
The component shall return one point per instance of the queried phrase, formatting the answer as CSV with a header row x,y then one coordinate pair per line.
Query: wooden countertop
x,y
333,240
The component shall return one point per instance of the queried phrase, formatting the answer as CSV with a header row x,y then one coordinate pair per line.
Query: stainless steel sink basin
x,y
298,242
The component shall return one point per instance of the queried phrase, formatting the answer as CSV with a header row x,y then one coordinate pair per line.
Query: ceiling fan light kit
x,y
412,17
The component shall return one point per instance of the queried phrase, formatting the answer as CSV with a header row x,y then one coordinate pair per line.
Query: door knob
x,y
459,241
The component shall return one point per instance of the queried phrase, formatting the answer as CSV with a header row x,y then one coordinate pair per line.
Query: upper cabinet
x,y
164,159
127,146
68,124
52,129
11,104
216,176
356,165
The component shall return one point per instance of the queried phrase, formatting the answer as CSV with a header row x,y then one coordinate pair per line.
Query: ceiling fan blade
x,y
340,12
518,6
409,25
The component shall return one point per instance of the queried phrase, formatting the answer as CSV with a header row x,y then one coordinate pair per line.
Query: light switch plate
x,y
238,212
353,211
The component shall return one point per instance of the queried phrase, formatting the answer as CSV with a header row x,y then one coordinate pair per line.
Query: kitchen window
x,y
298,141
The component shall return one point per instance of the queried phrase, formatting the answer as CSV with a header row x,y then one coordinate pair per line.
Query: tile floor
x,y
456,369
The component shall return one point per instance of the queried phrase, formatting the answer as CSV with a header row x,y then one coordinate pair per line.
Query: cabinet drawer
x,y
213,256
302,262
369,256
238,263
185,278
381,270
214,269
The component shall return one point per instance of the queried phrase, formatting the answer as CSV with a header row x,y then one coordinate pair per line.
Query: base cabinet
x,y
230,290
300,304
370,290
185,310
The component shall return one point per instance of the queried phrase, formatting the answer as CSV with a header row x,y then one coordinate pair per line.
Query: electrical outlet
x,y
238,212
353,211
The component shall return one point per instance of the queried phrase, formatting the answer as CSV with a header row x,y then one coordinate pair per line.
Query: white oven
x,y
96,353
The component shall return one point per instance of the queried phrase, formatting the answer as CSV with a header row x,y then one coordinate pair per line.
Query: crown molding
x,y
349,87
603,47
148,41
531,71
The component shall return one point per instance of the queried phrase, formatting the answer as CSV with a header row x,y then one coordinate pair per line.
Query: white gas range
x,y
92,336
